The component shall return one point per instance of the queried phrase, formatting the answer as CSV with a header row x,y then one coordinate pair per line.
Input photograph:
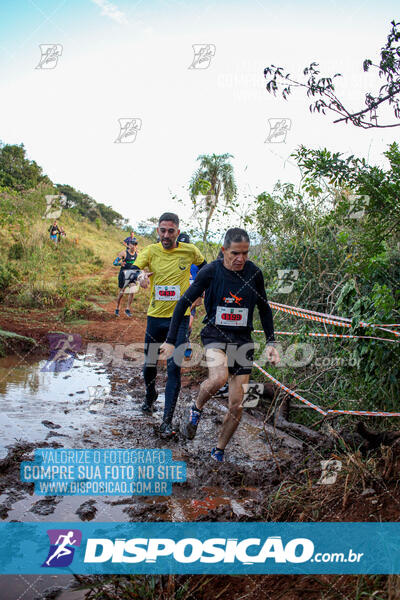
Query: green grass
x,y
36,273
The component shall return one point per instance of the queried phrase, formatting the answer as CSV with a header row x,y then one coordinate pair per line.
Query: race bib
x,y
167,292
231,316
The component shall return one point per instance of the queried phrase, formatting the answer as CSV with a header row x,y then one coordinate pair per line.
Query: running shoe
x,y
166,430
148,407
116,312
128,312
217,455
191,426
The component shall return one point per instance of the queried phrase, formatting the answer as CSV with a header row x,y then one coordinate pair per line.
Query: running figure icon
x,y
62,549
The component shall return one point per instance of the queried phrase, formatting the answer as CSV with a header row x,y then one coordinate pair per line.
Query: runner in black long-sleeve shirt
x,y
233,287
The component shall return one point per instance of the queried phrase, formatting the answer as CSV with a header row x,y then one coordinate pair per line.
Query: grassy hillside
x,y
34,272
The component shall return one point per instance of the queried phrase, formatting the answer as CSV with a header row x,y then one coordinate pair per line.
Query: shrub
x,y
8,275
74,309
40,294
16,251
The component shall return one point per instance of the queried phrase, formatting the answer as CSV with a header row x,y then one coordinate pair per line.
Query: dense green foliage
x,y
340,231
16,171
84,205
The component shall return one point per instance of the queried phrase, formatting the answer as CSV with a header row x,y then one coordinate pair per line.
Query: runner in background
x,y
126,259
54,230
131,238
169,264
234,286
61,234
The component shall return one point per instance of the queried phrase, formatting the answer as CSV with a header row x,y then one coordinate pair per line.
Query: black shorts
x,y
239,351
121,279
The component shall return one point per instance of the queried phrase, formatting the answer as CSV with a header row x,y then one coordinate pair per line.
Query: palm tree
x,y
213,179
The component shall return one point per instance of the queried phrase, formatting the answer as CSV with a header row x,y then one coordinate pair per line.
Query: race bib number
x,y
231,316
167,292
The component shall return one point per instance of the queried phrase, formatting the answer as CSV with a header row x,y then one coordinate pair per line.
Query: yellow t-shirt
x,y
171,273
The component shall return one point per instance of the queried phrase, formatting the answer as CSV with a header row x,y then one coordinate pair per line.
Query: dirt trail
x,y
38,323
256,470
65,422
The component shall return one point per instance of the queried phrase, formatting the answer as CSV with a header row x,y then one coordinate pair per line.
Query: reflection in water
x,y
28,396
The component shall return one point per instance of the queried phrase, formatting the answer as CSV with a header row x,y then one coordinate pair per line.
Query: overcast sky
x,y
130,60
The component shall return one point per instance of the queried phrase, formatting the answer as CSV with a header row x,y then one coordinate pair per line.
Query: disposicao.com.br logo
x,y
200,547
213,550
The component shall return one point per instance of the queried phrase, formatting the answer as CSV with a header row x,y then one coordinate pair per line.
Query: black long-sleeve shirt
x,y
229,296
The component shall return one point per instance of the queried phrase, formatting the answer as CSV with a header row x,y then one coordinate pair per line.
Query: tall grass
x,y
35,272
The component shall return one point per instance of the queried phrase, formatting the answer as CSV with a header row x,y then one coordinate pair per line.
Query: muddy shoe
x,y
217,454
166,430
191,426
148,407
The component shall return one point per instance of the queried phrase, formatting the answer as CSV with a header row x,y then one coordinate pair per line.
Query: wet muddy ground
x,y
41,408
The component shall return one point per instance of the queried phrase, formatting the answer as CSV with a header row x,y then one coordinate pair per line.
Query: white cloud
x,y
108,9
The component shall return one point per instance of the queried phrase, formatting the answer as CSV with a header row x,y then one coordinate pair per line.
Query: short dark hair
x,y
184,238
169,217
235,235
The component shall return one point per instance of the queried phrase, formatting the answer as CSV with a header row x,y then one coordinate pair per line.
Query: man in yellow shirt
x,y
169,265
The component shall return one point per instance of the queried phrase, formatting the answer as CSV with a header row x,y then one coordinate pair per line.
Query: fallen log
x,y
376,438
281,421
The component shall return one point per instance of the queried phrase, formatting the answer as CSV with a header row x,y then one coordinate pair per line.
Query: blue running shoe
x,y
128,312
217,455
116,312
191,426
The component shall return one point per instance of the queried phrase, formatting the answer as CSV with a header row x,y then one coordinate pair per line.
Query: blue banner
x,y
214,548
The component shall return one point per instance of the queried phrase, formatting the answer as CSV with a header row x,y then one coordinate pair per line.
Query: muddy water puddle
x,y
38,404
32,587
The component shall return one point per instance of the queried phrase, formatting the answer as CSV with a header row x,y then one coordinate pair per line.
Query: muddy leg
x,y
119,299
130,298
217,375
234,413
